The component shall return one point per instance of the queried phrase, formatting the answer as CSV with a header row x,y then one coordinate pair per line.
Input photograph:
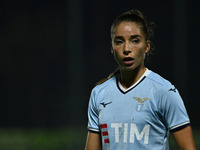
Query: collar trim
x,y
123,90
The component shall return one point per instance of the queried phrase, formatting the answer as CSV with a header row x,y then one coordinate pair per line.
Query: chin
x,y
132,67
128,68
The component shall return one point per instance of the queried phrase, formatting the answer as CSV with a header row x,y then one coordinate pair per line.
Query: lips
x,y
128,60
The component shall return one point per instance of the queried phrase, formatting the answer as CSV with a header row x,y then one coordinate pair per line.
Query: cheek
x,y
140,53
115,52
116,56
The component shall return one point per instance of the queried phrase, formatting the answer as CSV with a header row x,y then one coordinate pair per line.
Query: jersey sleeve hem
x,y
179,126
93,130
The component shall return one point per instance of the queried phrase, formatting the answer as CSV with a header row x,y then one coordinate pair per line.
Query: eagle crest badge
x,y
140,103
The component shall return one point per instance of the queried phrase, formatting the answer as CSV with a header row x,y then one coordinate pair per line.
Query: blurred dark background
x,y
53,52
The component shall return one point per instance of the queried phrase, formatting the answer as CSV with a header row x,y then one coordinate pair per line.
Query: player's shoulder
x,y
105,85
162,88
159,82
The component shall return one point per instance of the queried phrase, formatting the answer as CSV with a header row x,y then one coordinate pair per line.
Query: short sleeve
x,y
173,110
93,119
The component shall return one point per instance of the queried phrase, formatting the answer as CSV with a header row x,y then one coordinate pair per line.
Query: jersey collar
x,y
123,90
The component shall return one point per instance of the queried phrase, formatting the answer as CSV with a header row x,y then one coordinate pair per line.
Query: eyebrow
x,y
132,36
135,36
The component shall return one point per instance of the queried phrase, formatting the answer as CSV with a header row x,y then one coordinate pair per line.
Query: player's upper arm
x,y
184,138
93,141
172,109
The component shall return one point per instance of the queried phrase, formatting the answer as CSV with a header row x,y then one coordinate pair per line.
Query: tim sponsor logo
x,y
130,133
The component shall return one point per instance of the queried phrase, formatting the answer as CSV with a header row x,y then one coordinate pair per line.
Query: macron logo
x,y
174,90
105,104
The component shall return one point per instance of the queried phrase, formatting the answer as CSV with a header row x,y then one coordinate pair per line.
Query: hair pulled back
x,y
136,17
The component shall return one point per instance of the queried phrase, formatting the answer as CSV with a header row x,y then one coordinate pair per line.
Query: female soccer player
x,y
135,108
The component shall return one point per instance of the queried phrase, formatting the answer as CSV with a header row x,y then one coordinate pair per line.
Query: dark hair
x,y
132,16
137,17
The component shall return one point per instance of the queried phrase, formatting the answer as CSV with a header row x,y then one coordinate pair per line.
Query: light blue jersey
x,y
139,117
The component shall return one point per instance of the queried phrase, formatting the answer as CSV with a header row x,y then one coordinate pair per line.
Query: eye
x,y
136,41
118,42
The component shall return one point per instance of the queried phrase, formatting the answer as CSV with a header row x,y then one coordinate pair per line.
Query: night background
x,y
52,53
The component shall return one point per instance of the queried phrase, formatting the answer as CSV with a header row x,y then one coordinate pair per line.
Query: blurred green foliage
x,y
55,139
43,139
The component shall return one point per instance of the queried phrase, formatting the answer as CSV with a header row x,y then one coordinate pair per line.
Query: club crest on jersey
x,y
140,103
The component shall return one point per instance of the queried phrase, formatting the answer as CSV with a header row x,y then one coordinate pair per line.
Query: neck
x,y
128,78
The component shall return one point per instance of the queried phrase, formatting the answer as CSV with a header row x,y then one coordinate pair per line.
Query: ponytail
x,y
116,72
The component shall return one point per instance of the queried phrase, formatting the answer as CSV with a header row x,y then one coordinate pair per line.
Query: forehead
x,y
127,28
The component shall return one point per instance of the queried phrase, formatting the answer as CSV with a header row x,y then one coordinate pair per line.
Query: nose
x,y
126,49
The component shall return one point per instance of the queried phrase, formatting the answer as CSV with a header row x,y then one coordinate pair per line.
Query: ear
x,y
148,46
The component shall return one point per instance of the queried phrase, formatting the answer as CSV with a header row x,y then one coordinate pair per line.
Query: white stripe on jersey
x,y
144,75
179,125
93,130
